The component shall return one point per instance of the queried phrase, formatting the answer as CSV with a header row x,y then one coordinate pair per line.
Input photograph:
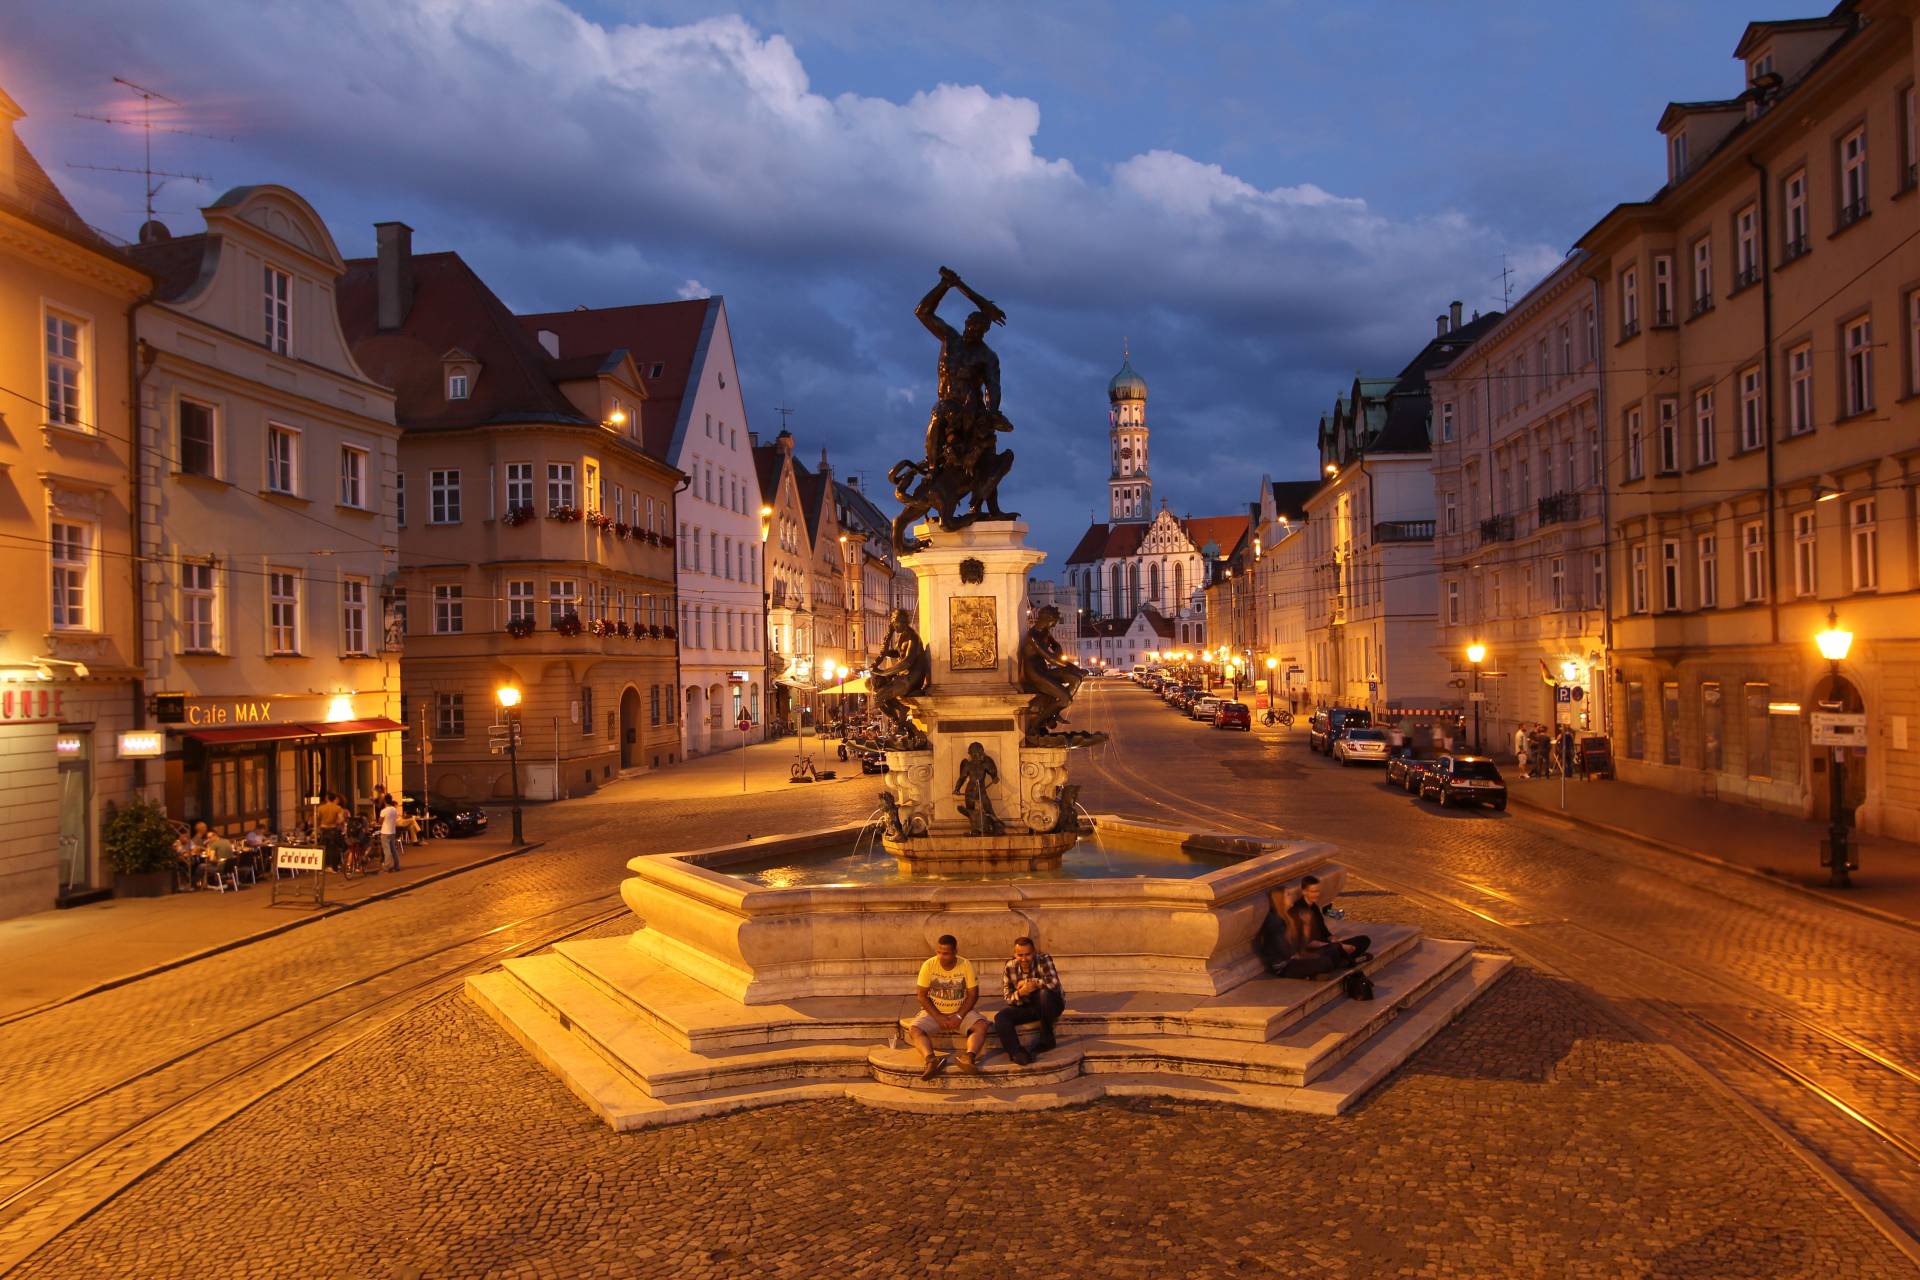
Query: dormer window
x,y
1677,155
277,310
1762,65
657,370
456,386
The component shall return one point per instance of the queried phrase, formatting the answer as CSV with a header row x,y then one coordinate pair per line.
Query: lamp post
x,y
767,648
1476,654
1833,644
508,696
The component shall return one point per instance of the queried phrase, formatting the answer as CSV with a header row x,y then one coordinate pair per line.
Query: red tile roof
x,y
666,334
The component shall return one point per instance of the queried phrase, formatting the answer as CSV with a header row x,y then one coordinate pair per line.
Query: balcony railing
x,y
1747,276
1799,247
1559,508
1496,529
1403,531
1663,318
1630,329
1703,304
1852,212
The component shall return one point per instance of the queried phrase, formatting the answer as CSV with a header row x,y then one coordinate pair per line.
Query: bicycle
x,y
363,855
1282,718
802,770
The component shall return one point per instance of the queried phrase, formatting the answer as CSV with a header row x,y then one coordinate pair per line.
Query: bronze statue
x,y
1067,796
977,775
963,462
903,670
1053,680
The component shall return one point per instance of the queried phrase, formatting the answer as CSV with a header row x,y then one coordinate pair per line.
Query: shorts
x,y
925,1022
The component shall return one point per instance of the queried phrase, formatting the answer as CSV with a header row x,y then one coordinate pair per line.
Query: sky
x,y
1262,199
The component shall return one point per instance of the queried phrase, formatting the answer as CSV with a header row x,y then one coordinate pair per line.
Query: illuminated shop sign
x,y
237,711
26,706
142,745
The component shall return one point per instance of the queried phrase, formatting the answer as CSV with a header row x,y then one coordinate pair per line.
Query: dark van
x,y
1328,723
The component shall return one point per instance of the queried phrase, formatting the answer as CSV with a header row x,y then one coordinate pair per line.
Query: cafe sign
x,y
203,715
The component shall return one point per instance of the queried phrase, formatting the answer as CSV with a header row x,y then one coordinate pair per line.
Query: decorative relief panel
x,y
973,634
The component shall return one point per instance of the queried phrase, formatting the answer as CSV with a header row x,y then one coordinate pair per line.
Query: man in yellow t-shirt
x,y
948,990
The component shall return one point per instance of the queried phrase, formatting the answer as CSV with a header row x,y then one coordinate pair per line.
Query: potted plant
x,y
519,628
516,516
137,840
568,624
566,515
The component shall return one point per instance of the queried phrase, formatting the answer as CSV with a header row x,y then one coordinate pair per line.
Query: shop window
x,y
1759,734
1670,722
1636,720
1712,726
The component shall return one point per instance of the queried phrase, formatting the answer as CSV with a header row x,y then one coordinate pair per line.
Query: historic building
x,y
537,531
786,563
1761,409
874,575
70,658
1257,600
267,533
695,419
1520,503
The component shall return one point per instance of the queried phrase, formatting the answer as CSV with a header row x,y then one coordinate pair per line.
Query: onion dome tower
x,y
1130,488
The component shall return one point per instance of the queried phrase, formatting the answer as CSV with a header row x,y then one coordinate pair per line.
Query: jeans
x,y
392,843
1046,1005
1331,958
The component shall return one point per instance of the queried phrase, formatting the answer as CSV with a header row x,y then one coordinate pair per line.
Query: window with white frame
x,y
559,485
283,459
1557,581
519,486
1662,288
1669,412
1630,302
199,607
1806,554
443,496
1637,579
1705,445
1702,274
1597,579
449,609
1566,348
1636,445
197,454
1753,561
1746,247
1800,389
1909,143
456,386
400,498
66,351
1706,561
1450,509
1853,176
1677,155
1753,427
1669,574
72,557
1446,421
449,715
590,487
283,611
1859,365
1863,545
277,310
353,476
1913,343
353,617
1794,222
520,600
562,595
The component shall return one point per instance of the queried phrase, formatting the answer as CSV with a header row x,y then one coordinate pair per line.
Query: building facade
x,y
787,559
70,673
1763,427
538,534
1520,499
267,534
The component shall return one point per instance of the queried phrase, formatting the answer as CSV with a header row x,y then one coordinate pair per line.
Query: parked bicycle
x,y
1281,717
362,856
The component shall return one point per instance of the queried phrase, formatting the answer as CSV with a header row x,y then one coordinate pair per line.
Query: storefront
x,y
233,762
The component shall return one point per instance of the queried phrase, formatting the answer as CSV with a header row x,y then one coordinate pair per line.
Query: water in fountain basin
x,y
1087,860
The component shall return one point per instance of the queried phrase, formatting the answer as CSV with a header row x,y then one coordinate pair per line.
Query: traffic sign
x,y
1373,687
745,724
1562,693
1839,729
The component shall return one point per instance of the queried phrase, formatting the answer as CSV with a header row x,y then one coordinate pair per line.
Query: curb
x,y
1805,891
261,935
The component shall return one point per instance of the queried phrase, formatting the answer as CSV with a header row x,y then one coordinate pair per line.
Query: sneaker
x,y
936,1063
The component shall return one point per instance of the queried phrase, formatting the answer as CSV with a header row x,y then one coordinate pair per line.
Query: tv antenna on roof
x,y
783,411
152,178
1506,284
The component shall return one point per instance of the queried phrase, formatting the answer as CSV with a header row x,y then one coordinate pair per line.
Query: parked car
x,y
1360,746
1233,715
873,761
1404,771
1456,780
1329,721
443,817
1203,707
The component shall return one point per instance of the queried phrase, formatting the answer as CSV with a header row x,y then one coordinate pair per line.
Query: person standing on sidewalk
x,y
390,831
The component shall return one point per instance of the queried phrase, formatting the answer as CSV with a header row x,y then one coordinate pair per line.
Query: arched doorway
x,y
1836,693
718,725
629,728
695,719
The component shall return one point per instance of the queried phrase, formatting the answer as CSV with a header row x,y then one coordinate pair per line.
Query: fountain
x,y
780,968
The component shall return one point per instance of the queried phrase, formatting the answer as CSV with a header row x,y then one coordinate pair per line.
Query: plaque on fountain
x,y
973,634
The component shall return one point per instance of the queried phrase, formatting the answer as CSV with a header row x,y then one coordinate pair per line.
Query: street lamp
x,y
1833,644
1476,654
508,696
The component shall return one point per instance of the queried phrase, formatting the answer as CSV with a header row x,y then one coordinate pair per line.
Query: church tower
x,y
1130,488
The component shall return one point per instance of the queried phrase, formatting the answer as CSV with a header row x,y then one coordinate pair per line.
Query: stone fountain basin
x,y
763,945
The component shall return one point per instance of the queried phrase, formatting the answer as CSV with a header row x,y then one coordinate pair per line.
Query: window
x,y
1759,737
559,485
198,608
1853,177
592,492
283,453
519,486
1746,247
283,611
1670,722
72,557
444,492
1752,424
1806,549
1702,274
560,599
449,610
653,704
1800,389
456,386
1629,302
1705,555
400,498
1663,288
196,438
1669,435
1670,574
353,477
1557,581
1713,727
1794,226
1637,580
1913,343
1592,327
1636,720
1753,562
1636,446
1863,545
277,302
520,600
1446,421
586,711
1859,368
1704,444
1597,579
1450,511
66,355
353,616
449,715
1453,604
1593,455
1909,144
1677,154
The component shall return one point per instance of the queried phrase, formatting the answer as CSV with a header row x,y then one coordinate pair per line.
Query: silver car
x,y
1361,746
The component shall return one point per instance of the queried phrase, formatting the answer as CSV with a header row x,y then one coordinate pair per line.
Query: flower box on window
x,y
666,539
622,530
517,515
519,628
570,515
600,520
623,629
669,633
568,624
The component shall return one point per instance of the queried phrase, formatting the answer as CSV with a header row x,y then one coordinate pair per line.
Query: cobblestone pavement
x,y
1541,1135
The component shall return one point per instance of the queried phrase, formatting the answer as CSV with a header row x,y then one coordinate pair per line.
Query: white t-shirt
x,y
390,820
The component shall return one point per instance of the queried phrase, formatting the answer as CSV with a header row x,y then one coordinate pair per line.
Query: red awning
x,y
250,733
337,728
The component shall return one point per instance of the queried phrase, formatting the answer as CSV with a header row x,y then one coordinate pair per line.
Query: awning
x,y
856,685
792,683
337,728
250,733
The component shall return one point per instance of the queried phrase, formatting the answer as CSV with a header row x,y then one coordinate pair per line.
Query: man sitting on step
x,y
948,990
1297,943
1031,986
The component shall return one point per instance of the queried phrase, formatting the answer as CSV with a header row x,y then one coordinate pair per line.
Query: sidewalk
x,y
52,956
764,766
1782,848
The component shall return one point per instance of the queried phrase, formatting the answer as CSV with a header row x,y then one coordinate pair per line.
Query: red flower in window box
x,y
669,633
621,529
623,629
519,628
517,515
653,536
666,539
568,624
567,515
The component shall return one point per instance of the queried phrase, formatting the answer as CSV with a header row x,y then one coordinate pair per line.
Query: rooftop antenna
x,y
1506,284
152,178
783,411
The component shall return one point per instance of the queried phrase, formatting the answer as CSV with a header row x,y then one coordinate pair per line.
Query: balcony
x,y
1703,304
1663,318
1852,212
1631,329
1403,531
1798,247
1559,508
1496,529
1746,277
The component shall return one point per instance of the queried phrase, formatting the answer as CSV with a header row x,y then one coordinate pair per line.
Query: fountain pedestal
x,y
973,597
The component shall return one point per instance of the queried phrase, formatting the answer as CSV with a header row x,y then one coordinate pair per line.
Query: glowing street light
x,y
508,696
1834,644
1476,654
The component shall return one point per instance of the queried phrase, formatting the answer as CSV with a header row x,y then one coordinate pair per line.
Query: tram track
x,y
1889,1142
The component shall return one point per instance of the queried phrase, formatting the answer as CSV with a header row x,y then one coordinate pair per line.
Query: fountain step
x,y
901,1068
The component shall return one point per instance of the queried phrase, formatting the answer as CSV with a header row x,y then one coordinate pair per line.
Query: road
x,y
1628,1103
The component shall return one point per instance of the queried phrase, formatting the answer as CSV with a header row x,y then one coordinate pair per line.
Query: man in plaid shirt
x,y
1031,986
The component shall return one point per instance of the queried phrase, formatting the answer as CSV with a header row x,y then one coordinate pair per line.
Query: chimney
x,y
753,439
550,343
853,482
1454,311
826,468
393,279
1440,326
784,441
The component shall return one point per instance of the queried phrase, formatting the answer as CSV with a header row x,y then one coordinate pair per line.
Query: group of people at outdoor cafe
x,y
202,855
